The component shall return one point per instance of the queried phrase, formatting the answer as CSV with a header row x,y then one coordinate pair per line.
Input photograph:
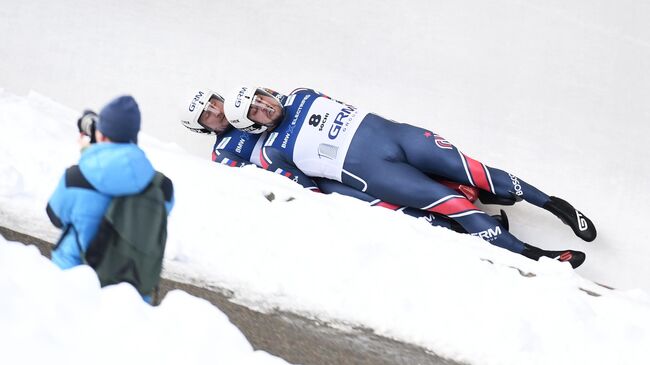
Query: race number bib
x,y
325,137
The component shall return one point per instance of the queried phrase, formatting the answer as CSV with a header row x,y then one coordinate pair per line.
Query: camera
x,y
87,124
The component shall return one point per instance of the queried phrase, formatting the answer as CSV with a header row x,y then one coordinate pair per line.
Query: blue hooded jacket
x,y
82,196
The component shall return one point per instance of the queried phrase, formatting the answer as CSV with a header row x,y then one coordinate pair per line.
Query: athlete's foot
x,y
502,218
489,198
579,223
575,258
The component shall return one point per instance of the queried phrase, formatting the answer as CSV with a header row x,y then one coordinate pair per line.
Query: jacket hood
x,y
116,168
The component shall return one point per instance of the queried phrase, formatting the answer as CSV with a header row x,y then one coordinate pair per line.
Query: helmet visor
x,y
212,117
264,108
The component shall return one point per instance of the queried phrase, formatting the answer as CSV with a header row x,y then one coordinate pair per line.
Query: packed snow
x,y
330,257
63,317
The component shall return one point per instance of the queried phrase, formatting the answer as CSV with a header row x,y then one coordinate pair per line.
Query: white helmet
x,y
192,111
237,105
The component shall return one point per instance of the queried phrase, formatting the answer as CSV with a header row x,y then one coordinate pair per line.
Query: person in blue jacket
x,y
113,165
312,135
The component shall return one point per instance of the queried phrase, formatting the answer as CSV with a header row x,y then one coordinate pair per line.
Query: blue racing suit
x,y
322,137
236,148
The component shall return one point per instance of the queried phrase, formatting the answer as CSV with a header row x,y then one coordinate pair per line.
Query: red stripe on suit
x,y
453,206
387,205
265,164
477,170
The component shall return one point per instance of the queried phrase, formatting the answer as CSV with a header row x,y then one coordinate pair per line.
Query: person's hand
x,y
83,141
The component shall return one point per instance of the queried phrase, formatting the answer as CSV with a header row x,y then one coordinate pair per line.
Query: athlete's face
x,y
265,110
213,117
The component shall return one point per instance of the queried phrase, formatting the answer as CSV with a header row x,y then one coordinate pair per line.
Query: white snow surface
x,y
50,316
555,92
324,256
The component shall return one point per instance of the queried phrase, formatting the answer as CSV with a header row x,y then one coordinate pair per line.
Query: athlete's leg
x,y
434,155
403,184
328,186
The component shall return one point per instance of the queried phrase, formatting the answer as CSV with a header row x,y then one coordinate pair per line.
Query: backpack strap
x,y
158,179
69,227
65,232
82,253
74,178
164,183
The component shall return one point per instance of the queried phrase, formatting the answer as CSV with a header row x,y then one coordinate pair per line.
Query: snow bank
x,y
63,317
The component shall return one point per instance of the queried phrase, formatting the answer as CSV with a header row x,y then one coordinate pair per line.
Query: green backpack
x,y
130,243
